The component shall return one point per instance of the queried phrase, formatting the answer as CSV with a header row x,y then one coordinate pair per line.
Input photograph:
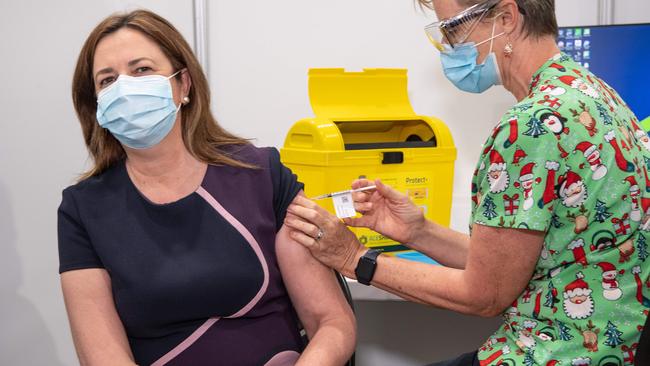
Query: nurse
x,y
558,237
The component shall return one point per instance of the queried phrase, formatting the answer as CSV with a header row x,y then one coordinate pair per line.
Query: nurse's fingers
x,y
362,207
307,214
357,221
304,202
307,203
360,183
303,239
303,226
361,196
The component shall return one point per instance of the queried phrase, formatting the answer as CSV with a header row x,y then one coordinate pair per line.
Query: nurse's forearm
x,y
433,285
446,246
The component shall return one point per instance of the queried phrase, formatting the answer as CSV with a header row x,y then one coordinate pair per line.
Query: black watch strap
x,y
366,266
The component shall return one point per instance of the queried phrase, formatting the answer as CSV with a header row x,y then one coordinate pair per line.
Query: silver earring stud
x,y
186,100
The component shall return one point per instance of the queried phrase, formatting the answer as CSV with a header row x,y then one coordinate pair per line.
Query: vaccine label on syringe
x,y
344,205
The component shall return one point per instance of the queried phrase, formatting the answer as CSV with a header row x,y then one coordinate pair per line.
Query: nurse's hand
x,y
328,239
387,212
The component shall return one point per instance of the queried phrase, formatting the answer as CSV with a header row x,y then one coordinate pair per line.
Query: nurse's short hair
x,y
539,15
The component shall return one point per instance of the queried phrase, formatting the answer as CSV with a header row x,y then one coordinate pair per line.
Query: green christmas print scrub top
x,y
570,160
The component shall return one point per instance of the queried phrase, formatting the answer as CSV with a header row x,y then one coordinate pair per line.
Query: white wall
x,y
260,52
631,11
577,12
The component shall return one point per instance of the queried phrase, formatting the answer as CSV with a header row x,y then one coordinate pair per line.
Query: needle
x,y
367,188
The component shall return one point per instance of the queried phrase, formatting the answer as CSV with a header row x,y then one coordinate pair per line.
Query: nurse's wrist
x,y
421,234
350,264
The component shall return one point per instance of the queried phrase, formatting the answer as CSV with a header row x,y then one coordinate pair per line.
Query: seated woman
x,y
172,247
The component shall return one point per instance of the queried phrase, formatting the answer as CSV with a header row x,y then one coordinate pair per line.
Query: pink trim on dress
x,y
251,241
185,344
286,358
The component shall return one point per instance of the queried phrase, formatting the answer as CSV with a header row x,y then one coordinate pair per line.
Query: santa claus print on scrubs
x,y
644,139
578,303
611,290
580,84
571,189
497,173
640,134
526,338
552,90
581,361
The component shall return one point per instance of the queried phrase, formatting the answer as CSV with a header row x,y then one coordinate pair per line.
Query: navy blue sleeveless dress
x,y
195,281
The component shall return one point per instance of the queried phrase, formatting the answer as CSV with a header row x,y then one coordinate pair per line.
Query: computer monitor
x,y
618,54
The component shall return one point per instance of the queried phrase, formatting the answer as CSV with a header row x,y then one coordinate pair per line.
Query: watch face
x,y
366,267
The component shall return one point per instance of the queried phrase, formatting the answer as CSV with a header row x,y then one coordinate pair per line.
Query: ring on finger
x,y
319,234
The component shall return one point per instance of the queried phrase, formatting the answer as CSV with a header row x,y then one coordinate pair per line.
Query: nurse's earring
x,y
507,50
186,100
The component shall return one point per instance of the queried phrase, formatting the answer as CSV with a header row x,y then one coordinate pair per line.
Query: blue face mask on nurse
x,y
459,57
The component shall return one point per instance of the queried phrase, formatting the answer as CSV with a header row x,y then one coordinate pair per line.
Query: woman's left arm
x,y
319,302
499,265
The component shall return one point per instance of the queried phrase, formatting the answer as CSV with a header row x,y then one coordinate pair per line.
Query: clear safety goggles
x,y
456,30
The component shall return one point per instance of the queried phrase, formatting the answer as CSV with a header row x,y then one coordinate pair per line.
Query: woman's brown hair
x,y
202,135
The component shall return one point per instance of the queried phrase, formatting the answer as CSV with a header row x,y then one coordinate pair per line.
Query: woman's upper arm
x,y
313,288
285,186
314,291
500,264
97,330
75,248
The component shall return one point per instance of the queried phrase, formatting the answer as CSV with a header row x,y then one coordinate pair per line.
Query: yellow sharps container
x,y
364,126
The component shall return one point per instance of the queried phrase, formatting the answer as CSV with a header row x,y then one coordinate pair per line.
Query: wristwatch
x,y
366,266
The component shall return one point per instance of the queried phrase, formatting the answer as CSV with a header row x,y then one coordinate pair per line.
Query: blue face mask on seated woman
x,y
459,66
138,111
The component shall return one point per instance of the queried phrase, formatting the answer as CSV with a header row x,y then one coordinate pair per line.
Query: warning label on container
x,y
416,180
417,193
